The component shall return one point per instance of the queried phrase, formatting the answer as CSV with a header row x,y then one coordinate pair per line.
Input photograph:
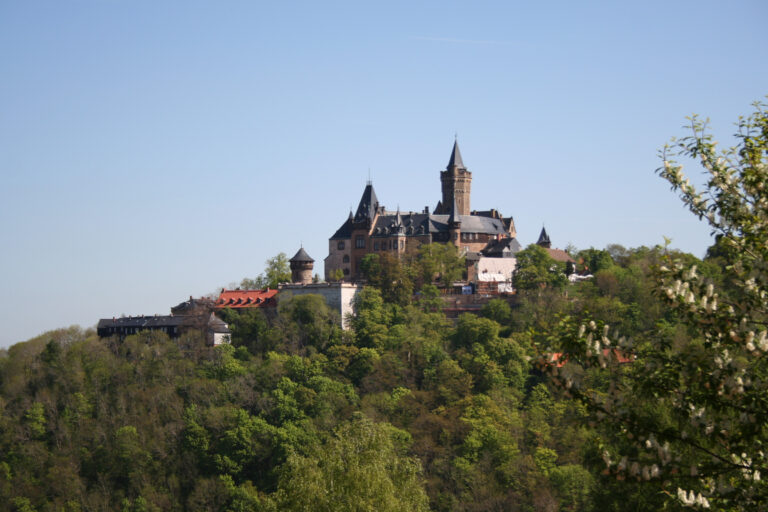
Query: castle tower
x,y
301,267
456,181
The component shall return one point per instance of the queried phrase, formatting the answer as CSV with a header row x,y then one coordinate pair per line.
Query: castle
x,y
373,229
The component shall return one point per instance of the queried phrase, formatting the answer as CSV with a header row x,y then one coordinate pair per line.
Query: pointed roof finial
x,y
302,256
455,160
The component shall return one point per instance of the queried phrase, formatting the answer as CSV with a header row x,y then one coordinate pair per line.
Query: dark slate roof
x,y
478,224
216,324
366,210
146,322
423,223
192,306
455,157
408,224
345,231
302,256
504,248
543,237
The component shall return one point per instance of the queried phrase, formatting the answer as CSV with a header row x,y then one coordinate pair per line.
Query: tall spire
x,y
544,239
455,160
369,203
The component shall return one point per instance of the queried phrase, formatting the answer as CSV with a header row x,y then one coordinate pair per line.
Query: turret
x,y
301,267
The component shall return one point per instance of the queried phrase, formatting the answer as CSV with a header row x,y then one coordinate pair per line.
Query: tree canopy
x,y
690,411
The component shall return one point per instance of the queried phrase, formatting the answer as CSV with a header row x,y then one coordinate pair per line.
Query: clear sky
x,y
152,150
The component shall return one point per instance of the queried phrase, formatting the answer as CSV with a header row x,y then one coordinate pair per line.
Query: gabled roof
x,y
366,210
216,324
504,248
246,299
559,255
302,256
455,157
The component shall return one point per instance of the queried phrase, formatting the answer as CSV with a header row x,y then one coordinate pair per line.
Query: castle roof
x,y
366,210
455,157
389,223
145,322
543,237
246,298
504,248
302,257
345,231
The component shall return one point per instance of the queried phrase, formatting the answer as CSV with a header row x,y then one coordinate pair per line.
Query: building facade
x,y
374,229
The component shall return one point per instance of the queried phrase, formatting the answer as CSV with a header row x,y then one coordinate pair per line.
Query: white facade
x,y
339,296
496,269
221,338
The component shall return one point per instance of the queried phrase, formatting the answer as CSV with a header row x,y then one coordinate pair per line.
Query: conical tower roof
x,y
455,160
543,238
302,257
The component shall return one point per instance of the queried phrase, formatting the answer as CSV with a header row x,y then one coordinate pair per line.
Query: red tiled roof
x,y
560,255
558,360
246,299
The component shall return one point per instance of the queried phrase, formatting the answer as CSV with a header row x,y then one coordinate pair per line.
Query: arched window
x,y
345,259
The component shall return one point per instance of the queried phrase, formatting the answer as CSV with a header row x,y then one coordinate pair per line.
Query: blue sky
x,y
154,150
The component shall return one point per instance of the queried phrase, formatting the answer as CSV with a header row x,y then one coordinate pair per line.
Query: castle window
x,y
340,245
346,271
375,246
360,242
402,244
345,259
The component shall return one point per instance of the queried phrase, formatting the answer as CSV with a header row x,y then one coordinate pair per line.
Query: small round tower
x,y
301,267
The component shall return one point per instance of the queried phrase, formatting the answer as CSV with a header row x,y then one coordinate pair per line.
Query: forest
x,y
643,388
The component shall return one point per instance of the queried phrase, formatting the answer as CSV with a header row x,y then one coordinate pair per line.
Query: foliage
x,y
690,411
362,466
276,270
536,270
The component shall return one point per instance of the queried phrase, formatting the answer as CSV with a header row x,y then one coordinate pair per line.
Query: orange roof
x,y
246,299
560,255
558,360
